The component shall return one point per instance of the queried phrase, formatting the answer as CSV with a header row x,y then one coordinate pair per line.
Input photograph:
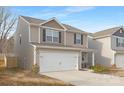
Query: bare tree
x,y
7,23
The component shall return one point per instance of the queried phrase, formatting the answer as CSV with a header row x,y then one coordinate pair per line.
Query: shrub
x,y
35,69
99,69
113,66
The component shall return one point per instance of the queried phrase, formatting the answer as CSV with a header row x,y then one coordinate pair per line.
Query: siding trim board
x,y
65,38
24,20
52,28
29,33
39,34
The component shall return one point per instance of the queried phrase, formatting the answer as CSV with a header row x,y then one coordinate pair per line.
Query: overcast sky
x,y
90,19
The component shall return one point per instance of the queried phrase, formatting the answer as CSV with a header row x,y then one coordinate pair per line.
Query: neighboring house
x,y
110,47
50,44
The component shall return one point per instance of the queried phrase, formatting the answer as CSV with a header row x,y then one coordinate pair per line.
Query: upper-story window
x,y
52,36
119,42
78,38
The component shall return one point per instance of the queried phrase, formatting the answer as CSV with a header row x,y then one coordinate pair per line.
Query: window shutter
x,y
81,39
59,37
20,37
44,34
20,41
117,42
74,38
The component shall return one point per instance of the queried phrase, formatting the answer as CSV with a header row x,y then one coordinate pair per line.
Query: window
x,y
49,36
55,36
78,38
119,42
52,36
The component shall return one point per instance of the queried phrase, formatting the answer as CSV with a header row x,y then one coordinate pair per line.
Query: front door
x,y
84,62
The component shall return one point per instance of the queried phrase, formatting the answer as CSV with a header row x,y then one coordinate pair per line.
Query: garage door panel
x,y
49,60
58,61
120,60
67,65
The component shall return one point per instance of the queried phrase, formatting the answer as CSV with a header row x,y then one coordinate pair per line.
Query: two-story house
x,y
50,44
110,47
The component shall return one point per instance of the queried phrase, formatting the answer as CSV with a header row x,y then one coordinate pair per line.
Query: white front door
x,y
119,58
58,61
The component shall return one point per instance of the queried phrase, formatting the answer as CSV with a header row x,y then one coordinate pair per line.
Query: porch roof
x,y
119,51
63,48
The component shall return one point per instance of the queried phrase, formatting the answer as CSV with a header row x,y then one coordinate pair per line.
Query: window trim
x,y
78,39
52,34
119,42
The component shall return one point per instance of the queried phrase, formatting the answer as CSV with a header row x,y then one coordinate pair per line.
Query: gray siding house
x,y
52,45
109,46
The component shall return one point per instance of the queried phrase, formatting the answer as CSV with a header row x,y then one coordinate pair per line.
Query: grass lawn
x,y
18,77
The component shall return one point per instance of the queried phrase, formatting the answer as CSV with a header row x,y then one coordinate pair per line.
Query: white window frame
x,y
78,37
52,35
120,41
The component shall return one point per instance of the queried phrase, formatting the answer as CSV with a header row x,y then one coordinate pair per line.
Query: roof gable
x,y
39,22
119,33
107,32
54,23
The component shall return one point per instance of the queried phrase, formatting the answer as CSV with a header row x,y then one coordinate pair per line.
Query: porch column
x,y
34,55
93,62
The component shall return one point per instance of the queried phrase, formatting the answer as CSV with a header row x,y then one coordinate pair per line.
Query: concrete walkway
x,y
86,78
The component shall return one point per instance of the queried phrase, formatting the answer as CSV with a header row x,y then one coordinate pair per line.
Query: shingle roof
x,y
39,21
33,20
106,32
71,28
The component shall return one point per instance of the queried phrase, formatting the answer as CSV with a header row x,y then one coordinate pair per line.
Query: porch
x,y
87,59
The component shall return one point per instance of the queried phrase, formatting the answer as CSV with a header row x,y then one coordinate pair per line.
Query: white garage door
x,y
119,60
58,61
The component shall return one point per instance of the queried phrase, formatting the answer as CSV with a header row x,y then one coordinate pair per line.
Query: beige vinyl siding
x,y
34,33
41,35
23,50
104,54
30,57
70,40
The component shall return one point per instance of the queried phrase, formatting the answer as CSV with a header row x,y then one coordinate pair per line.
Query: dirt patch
x,y
117,72
18,77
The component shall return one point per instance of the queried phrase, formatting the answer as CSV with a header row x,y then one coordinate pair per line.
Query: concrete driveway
x,y
86,78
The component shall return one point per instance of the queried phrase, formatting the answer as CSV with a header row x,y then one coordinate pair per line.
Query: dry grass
x,y
117,72
18,77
